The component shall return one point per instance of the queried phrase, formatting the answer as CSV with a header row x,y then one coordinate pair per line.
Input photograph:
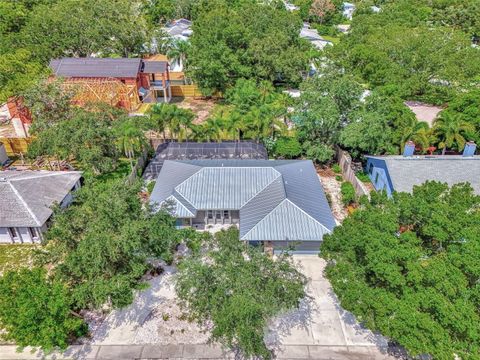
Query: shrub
x,y
336,169
348,193
362,176
150,186
288,148
339,178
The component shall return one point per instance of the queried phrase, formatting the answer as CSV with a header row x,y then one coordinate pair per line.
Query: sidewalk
x,y
211,352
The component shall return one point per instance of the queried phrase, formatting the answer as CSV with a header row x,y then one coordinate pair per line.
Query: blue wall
x,y
378,173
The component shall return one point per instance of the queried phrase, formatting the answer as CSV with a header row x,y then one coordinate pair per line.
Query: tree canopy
x,y
408,49
408,267
34,32
238,288
248,39
36,311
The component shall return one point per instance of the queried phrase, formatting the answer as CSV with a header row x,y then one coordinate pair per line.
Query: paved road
x,y
157,352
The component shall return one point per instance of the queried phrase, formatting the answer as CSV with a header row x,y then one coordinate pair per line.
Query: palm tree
x,y
177,52
130,139
408,131
451,130
163,115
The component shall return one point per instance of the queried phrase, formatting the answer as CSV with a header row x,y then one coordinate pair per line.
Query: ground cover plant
x,y
408,267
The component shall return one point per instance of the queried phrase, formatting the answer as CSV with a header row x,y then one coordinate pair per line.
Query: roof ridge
x,y
22,200
263,218
270,183
38,175
310,216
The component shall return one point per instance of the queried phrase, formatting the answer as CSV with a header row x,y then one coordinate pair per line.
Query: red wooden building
x,y
120,82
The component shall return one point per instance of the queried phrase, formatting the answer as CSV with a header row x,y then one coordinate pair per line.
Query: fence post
x,y
345,161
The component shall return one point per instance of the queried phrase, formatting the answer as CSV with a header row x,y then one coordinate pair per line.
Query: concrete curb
x,y
188,351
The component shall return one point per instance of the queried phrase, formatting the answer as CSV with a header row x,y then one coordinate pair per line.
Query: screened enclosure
x,y
203,151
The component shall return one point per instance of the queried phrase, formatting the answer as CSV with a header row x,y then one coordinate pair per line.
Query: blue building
x,y
402,172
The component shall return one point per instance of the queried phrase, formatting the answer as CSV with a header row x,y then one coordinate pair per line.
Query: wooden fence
x,y
186,91
345,161
139,167
15,146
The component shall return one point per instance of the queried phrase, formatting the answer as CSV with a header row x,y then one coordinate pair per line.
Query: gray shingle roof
x,y
26,196
278,200
96,67
406,172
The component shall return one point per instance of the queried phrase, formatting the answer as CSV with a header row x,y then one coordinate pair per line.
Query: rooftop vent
x,y
469,149
409,149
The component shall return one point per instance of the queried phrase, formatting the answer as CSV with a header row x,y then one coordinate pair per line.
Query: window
x,y
13,233
376,178
370,169
33,233
218,214
210,214
226,214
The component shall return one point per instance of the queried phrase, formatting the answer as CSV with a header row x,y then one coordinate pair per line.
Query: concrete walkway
x,y
144,352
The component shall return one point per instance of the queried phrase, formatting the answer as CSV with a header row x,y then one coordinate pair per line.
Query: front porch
x,y
206,219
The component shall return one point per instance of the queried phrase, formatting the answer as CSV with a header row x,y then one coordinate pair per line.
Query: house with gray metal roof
x,y
277,201
26,202
402,172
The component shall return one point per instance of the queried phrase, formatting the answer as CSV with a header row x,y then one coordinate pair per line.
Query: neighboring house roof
x,y
154,66
96,67
406,172
314,37
27,196
180,29
278,200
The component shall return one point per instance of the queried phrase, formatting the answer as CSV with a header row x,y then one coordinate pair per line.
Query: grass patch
x,y
334,39
122,170
15,256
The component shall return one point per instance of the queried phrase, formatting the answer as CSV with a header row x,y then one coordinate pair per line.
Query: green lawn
x,y
333,39
14,256
122,170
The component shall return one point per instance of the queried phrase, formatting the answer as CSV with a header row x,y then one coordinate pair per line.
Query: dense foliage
x,y
408,267
238,288
33,32
100,244
414,49
36,311
245,39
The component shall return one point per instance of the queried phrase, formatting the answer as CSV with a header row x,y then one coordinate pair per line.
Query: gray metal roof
x,y
96,67
27,196
278,200
406,172
154,66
